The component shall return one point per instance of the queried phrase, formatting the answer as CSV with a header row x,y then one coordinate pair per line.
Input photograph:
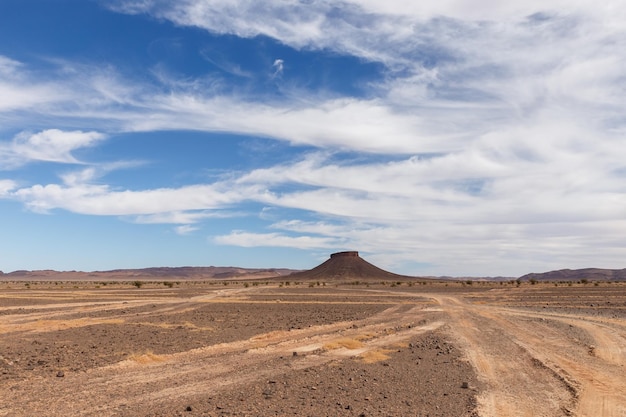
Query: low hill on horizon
x,y
589,274
153,273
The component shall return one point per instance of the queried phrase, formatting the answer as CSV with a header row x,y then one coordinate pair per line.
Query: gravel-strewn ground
x,y
360,350
423,378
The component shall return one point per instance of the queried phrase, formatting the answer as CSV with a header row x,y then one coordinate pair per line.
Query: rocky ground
x,y
309,349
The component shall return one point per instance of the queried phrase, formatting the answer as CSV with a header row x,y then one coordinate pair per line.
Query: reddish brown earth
x,y
257,349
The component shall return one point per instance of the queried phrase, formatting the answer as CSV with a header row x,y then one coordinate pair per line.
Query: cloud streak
x,y
52,145
433,210
246,239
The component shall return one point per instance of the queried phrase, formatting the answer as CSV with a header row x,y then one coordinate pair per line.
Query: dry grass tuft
x,y
146,358
186,325
373,356
344,343
365,336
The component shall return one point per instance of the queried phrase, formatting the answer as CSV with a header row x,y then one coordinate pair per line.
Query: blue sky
x,y
436,138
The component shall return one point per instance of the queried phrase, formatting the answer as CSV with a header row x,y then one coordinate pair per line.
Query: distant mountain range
x,y
156,273
342,265
589,274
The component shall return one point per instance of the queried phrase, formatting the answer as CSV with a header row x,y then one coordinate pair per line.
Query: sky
x,y
483,138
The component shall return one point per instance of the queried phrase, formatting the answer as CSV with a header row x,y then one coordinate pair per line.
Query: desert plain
x,y
280,348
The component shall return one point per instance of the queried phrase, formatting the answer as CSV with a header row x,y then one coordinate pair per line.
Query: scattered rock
x,y
60,374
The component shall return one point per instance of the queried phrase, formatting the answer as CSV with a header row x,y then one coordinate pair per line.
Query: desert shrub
x,y
168,284
533,281
138,284
469,282
245,284
584,281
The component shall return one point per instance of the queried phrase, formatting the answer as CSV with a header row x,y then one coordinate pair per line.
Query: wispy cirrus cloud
x,y
8,67
279,66
185,217
7,186
248,239
52,145
185,229
98,199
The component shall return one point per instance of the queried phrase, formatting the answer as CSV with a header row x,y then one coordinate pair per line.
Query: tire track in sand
x,y
126,387
531,368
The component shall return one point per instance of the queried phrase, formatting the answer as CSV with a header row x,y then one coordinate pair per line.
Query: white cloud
x,y
102,200
51,145
15,95
518,211
486,77
245,239
7,186
184,217
185,229
342,123
9,68
279,66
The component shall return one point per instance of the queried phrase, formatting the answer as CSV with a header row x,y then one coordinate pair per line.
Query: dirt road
x,y
542,364
152,352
